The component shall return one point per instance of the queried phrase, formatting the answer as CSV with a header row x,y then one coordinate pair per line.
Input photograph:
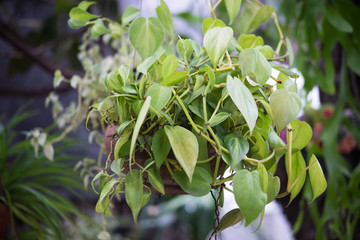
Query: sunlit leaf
x,y
297,166
134,192
169,65
216,40
254,64
129,14
155,180
285,106
232,8
146,35
317,178
165,17
174,78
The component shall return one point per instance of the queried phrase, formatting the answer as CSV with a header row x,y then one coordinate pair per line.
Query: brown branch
x,y
22,45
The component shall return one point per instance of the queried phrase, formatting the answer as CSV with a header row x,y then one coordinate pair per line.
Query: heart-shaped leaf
x,y
273,187
219,118
160,96
129,14
302,134
254,65
134,192
297,167
174,78
156,181
230,219
79,17
185,147
210,23
199,185
243,100
238,148
317,178
165,17
249,194
253,16
232,8
161,147
146,35
216,40
169,65
285,106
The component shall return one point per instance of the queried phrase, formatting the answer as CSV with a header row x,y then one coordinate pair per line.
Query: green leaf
x,y
116,30
243,100
124,137
273,187
337,20
160,96
216,41
122,126
169,65
230,219
285,71
198,186
250,41
156,181
253,16
184,48
174,78
98,29
249,194
161,147
232,8
254,64
134,192
185,147
210,23
238,148
146,64
196,47
129,14
267,51
285,106
302,134
210,75
140,120
219,118
114,81
102,204
79,17
116,166
290,51
317,178
263,176
146,35
84,5
165,17
297,166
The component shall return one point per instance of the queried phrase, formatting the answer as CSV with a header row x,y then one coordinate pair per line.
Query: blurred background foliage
x,y
35,41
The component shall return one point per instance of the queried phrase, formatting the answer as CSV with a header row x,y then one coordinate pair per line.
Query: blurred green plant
x,y
29,185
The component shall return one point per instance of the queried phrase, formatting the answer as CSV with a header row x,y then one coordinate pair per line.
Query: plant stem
x,y
212,142
206,160
289,141
168,167
224,180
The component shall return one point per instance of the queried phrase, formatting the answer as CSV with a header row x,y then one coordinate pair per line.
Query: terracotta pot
x,y
171,187
4,219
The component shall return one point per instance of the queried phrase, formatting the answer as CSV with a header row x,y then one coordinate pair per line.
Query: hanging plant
x,y
203,114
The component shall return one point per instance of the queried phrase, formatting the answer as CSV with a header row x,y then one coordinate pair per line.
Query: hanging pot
x,y
171,187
